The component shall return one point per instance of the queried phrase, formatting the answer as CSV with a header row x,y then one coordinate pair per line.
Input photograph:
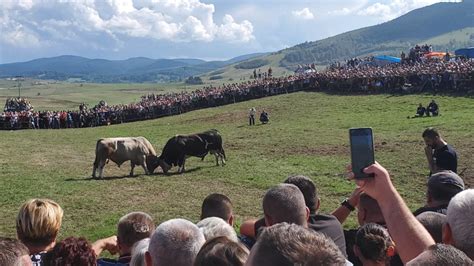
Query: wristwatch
x,y
346,204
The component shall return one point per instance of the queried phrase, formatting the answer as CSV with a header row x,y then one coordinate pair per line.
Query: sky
x,y
205,29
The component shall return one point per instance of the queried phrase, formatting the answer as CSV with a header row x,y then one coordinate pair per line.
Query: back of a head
x,y
430,133
308,188
216,205
13,252
373,242
138,252
286,244
213,227
72,251
38,222
134,227
441,254
285,203
433,222
460,217
444,185
221,251
371,210
175,242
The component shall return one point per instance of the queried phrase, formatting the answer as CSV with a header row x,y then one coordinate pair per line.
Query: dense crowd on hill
x,y
355,76
291,232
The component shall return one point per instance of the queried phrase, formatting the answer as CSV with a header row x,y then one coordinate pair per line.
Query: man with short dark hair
x,y
218,205
440,155
441,254
290,244
131,228
433,222
441,187
13,252
285,203
322,223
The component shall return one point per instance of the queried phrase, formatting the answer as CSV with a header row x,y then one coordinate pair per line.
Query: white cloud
x,y
35,22
394,8
304,13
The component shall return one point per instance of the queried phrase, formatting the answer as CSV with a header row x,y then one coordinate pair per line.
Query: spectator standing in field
x,y
440,155
252,113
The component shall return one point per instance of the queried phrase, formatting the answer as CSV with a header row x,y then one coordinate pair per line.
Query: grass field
x,y
308,134
56,95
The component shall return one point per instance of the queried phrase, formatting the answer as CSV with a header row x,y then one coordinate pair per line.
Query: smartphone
x,y
362,150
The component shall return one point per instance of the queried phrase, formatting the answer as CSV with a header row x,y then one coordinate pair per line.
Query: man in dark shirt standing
x,y
440,155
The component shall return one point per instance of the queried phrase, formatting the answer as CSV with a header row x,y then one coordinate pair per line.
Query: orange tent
x,y
435,54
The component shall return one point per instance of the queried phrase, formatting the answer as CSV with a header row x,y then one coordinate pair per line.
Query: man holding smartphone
x,y
440,155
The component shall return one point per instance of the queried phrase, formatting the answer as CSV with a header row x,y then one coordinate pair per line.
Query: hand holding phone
x,y
362,150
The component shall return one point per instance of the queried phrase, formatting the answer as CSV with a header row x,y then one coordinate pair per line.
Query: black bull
x,y
180,147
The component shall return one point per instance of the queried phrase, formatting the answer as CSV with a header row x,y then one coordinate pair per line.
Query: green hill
x,y
444,25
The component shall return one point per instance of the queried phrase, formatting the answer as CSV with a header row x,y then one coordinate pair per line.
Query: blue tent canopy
x,y
387,58
466,52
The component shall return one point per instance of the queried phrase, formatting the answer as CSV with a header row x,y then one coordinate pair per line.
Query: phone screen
x,y
362,150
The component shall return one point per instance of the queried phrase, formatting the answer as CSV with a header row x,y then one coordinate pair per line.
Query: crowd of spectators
x,y
154,105
291,231
353,76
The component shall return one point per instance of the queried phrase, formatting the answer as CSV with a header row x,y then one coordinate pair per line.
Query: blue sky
x,y
219,29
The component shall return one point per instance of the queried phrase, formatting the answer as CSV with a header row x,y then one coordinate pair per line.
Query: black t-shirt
x,y
331,227
446,158
439,209
322,223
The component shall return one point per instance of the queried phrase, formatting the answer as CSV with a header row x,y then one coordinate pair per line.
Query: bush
x,y
215,77
194,80
252,64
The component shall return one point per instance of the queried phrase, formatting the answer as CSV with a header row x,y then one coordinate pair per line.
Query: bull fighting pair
x,y
139,151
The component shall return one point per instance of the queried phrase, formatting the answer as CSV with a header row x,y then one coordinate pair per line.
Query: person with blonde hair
x,y
37,226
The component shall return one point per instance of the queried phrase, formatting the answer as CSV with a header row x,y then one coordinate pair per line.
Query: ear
x,y
356,250
148,260
390,251
447,235
318,203
429,199
231,220
307,213
268,220
361,216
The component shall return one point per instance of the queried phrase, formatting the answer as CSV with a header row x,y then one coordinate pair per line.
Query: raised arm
x,y
410,237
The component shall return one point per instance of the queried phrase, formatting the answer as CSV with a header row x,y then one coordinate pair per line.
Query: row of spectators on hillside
x,y
291,232
154,105
433,75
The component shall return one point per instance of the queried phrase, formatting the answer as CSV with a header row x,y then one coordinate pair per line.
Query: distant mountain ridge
x,y
389,37
137,69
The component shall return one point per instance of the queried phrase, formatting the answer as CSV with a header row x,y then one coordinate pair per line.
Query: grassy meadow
x,y
307,134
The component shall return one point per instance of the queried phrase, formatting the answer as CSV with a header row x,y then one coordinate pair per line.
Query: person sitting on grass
x,y
420,111
264,117
433,109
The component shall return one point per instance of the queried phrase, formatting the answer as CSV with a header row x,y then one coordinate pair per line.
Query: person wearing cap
x,y
440,155
441,187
